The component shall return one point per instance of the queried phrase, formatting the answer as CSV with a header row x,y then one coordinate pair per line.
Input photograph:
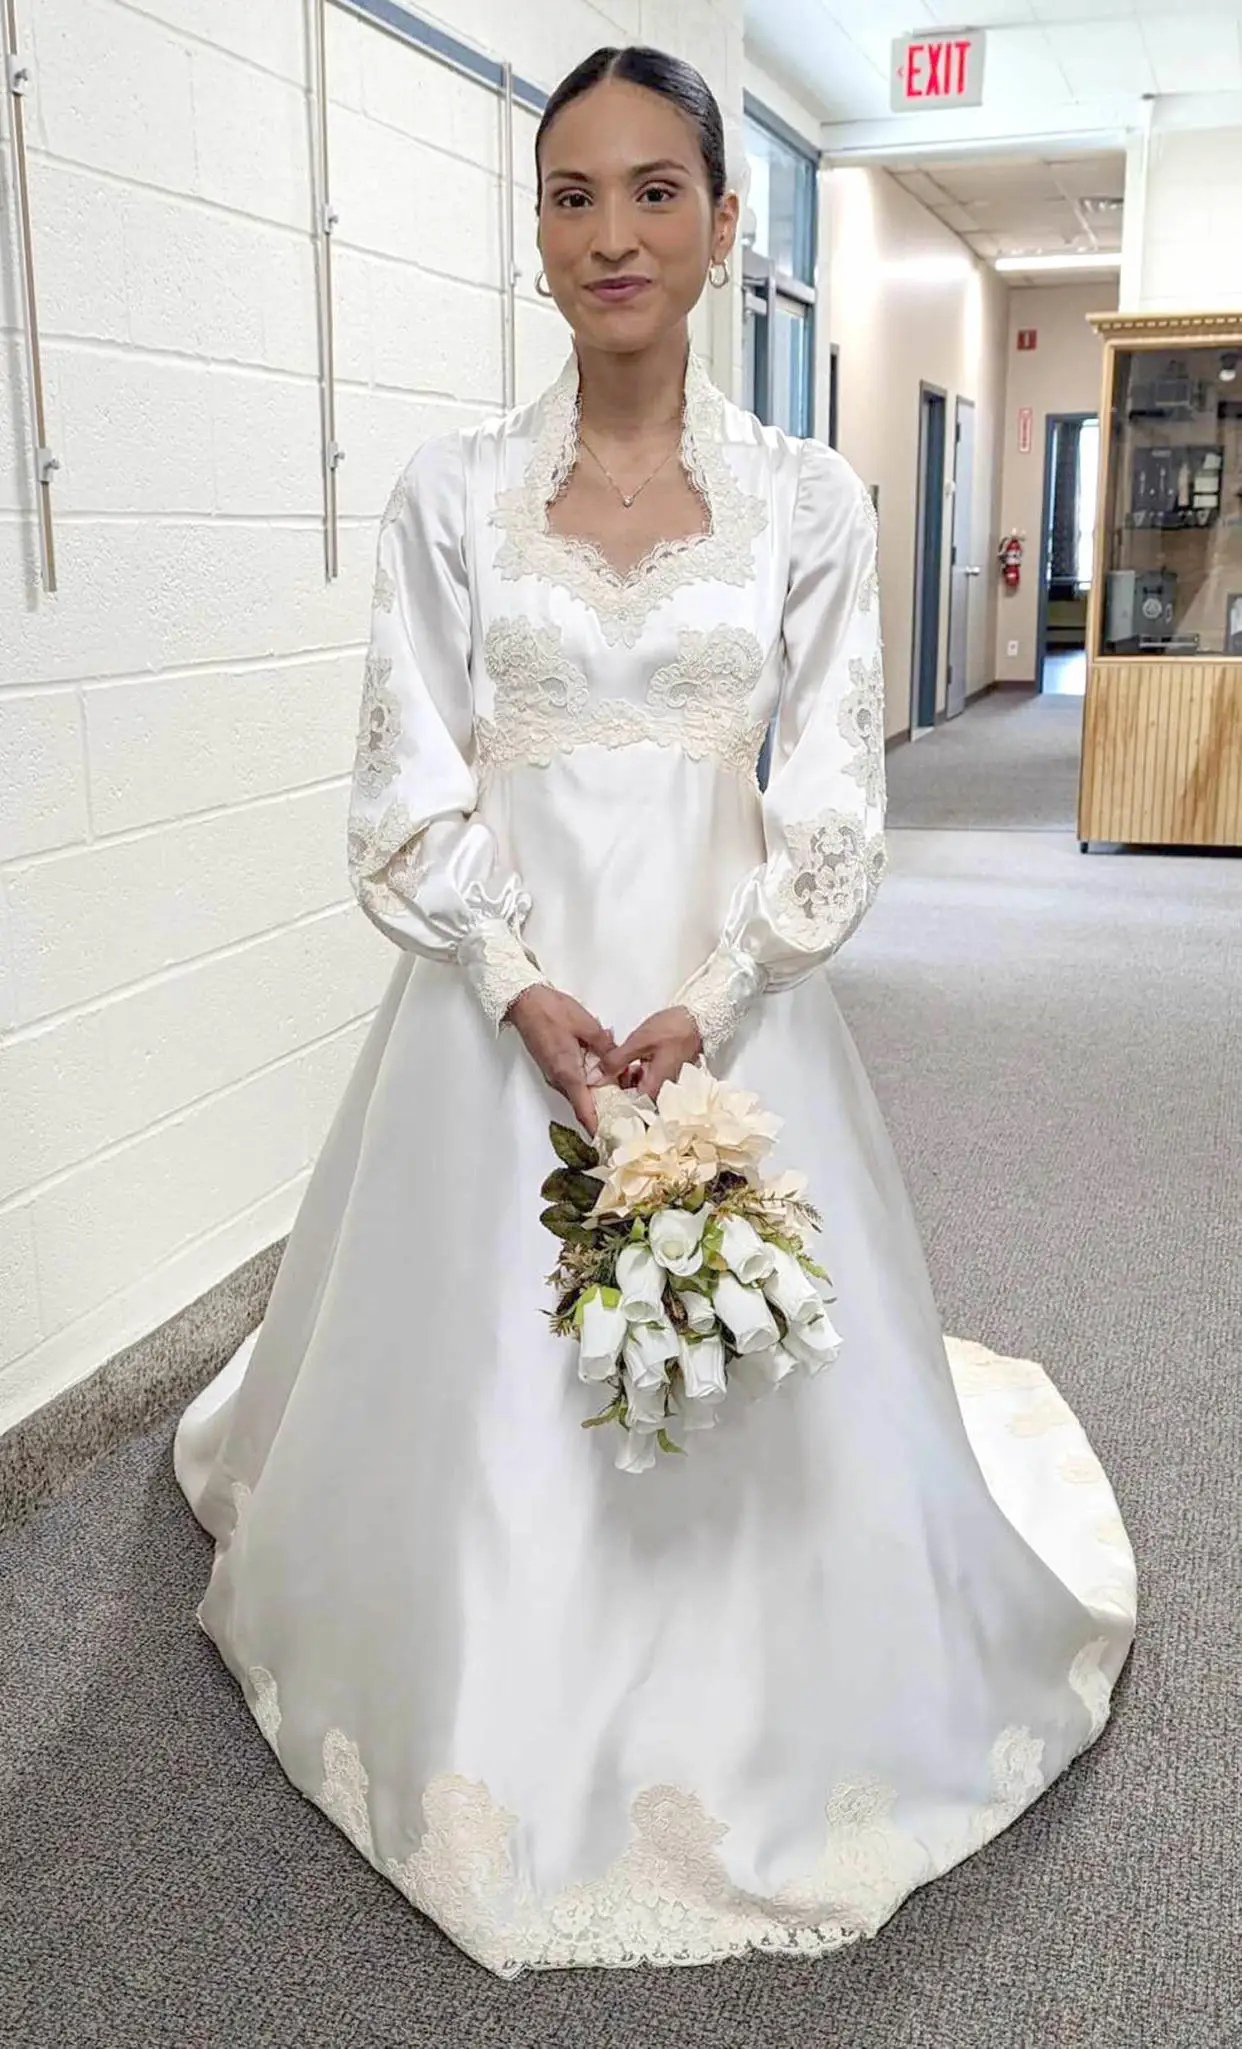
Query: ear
x,y
724,230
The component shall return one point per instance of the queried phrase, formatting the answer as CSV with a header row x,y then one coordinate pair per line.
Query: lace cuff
x,y
719,995
498,966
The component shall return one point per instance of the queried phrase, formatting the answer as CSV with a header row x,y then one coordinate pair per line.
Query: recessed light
x,y
1097,259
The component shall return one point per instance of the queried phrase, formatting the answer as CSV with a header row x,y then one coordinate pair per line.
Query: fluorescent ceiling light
x,y
1101,259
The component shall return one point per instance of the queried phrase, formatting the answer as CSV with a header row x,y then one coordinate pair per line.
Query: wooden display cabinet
x,y
1162,722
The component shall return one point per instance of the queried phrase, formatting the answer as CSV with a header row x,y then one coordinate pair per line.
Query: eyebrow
x,y
639,171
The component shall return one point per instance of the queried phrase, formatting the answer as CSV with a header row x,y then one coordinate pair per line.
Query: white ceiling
x,y
1025,205
1056,54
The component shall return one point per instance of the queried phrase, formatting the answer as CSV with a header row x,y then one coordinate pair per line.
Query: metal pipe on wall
x,y
508,246
17,76
333,455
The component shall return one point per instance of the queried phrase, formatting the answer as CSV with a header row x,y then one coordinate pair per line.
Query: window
x,y
778,269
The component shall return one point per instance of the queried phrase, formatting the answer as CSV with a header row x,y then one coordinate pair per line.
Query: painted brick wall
x,y
183,982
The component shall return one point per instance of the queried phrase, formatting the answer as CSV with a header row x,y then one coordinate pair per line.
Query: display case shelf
x,y
1162,728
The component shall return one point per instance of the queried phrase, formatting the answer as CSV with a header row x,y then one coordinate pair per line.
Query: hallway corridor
x,y
1009,763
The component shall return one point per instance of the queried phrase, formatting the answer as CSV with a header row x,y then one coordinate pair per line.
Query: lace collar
x,y
723,554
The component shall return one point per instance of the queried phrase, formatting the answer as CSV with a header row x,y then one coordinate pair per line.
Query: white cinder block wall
x,y
183,982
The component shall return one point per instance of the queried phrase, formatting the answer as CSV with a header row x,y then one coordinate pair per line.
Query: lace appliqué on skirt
x,y
544,707
669,1897
622,604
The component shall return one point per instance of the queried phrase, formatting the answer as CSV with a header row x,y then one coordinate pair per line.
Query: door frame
x,y
969,405
1051,422
921,594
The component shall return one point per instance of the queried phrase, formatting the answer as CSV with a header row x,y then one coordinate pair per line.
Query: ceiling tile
x,y
981,13
1199,55
1100,57
1055,11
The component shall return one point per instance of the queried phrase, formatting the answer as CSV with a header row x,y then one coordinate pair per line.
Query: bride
x,y
751,1699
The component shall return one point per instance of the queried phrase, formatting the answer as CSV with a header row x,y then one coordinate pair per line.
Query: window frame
x,y
765,283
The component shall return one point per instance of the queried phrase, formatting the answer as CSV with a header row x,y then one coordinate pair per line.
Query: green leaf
x,y
562,1222
665,1443
608,1415
571,1148
570,1186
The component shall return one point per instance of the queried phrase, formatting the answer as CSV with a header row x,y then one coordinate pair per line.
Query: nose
x,y
615,236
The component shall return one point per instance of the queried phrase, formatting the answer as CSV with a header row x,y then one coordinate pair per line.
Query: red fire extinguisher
x,y
1009,555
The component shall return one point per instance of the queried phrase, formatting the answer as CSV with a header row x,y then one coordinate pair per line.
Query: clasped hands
x,y
575,1053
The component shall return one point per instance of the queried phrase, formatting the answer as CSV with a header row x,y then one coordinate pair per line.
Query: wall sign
x,y
937,71
1026,422
1027,337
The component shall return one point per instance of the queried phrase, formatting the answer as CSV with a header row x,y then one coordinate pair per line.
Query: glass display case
x,y
1173,522
1162,720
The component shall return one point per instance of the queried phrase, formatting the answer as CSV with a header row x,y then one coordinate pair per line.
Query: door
x,y
962,571
928,557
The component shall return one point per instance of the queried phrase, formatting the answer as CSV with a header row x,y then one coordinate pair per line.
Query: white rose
x,y
700,1315
641,1281
675,1237
702,1368
814,1344
695,1415
745,1313
644,1405
744,1252
790,1286
601,1336
636,1453
761,1372
647,1351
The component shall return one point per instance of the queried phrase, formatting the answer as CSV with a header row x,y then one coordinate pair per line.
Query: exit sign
x,y
944,70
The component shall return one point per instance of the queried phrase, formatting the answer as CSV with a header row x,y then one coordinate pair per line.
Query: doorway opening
x,y
928,556
1067,548
962,571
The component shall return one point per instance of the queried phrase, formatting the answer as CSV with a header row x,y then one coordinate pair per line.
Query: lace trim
x,y
544,706
385,590
669,1899
386,864
719,995
379,728
499,968
860,721
834,870
723,554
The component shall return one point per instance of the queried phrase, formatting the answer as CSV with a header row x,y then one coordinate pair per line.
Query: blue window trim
x,y
436,42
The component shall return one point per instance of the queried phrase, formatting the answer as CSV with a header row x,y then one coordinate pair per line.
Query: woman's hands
x,y
570,1048
656,1051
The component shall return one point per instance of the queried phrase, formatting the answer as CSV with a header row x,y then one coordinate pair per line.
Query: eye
x,y
658,192
570,200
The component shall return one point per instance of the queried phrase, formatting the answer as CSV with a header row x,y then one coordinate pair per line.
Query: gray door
x,y
962,571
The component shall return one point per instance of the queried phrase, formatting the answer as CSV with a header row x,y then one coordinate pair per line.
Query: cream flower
x,y
723,1128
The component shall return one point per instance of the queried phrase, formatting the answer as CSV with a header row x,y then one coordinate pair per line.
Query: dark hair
x,y
678,83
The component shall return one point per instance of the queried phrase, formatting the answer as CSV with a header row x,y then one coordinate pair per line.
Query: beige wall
x,y
907,302
1061,374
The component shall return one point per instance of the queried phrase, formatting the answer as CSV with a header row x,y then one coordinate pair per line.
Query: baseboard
x,y
45,1452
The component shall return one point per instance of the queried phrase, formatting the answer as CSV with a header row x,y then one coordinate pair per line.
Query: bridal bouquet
x,y
684,1275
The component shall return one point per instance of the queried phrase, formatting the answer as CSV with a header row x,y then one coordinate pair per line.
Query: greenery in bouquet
x,y
685,1274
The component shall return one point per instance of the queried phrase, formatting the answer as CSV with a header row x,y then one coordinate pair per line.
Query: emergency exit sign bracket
x,y
940,70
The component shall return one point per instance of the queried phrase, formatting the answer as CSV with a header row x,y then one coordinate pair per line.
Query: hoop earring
x,y
718,273
542,286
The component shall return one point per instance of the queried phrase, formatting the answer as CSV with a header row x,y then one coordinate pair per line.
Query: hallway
x,y
1009,763
1057,1045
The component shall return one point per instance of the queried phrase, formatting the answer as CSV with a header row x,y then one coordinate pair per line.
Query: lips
x,y
617,291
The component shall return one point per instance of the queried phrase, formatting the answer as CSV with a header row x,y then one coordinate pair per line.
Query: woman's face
x,y
627,223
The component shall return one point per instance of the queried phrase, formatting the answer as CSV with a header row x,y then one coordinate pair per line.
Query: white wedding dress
x,y
750,1699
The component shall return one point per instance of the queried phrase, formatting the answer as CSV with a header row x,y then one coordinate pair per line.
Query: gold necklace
x,y
627,497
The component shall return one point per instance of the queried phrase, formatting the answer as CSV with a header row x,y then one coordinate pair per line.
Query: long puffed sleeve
x,y
425,869
823,809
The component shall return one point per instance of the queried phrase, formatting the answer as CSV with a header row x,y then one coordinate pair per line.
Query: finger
x,y
582,1103
588,1030
631,1050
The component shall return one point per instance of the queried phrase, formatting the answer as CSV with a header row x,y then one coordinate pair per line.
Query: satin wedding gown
x,y
750,1699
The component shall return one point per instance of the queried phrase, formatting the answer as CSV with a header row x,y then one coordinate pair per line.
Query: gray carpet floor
x,y
1057,1044
1009,763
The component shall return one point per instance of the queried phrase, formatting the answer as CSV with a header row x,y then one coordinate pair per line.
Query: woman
x,y
752,1699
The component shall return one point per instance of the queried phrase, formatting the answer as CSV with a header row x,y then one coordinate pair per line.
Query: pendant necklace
x,y
627,497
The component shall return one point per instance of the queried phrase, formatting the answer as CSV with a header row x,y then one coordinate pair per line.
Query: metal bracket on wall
x,y
326,219
17,78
